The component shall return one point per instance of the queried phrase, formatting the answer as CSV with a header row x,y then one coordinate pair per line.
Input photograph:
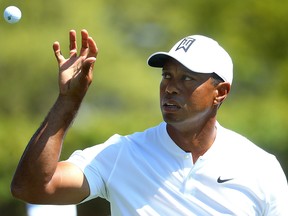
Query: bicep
x,y
68,185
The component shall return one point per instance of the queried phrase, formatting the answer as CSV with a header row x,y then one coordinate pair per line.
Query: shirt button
x,y
187,156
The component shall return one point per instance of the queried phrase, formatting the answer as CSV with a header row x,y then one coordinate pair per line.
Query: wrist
x,y
66,107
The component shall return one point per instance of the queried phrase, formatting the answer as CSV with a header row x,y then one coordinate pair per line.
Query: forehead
x,y
173,64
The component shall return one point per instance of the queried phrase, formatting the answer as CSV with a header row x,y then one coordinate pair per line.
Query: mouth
x,y
171,106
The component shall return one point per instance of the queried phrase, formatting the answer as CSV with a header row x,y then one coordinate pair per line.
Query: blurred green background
x,y
123,97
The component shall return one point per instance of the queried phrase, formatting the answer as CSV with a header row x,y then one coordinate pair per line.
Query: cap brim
x,y
158,59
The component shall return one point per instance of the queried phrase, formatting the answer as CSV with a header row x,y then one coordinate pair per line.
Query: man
x,y
187,165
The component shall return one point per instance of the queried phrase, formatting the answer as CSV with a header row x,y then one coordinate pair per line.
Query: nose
x,y
172,87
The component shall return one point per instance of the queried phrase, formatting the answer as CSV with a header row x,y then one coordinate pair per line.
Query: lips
x,y
170,106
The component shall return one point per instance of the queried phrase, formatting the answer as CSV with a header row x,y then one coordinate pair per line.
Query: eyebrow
x,y
183,68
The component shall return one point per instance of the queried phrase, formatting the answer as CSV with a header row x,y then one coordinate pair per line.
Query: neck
x,y
196,138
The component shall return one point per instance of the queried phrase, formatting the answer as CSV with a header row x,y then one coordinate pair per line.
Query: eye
x,y
166,75
187,78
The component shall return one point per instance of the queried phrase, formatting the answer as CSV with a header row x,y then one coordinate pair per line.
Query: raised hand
x,y
75,72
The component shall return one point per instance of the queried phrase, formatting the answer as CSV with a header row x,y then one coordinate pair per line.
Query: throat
x,y
195,142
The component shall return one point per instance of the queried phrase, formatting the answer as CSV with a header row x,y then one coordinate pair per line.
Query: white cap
x,y
199,54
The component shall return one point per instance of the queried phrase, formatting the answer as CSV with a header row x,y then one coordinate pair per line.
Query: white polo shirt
x,y
146,173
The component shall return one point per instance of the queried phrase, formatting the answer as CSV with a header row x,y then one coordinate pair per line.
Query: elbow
x,y
17,191
21,192
29,193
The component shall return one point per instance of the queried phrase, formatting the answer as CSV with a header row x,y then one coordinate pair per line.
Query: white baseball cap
x,y
199,54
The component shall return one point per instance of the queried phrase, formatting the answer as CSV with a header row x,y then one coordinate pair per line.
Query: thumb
x,y
88,65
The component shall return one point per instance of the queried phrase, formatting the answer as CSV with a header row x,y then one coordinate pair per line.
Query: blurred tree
x,y
124,88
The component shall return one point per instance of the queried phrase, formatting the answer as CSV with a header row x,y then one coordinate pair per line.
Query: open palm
x,y
75,72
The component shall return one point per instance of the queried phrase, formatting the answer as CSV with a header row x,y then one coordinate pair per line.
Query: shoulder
x,y
117,143
237,147
238,142
150,134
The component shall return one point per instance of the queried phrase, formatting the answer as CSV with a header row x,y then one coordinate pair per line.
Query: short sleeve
x,y
96,163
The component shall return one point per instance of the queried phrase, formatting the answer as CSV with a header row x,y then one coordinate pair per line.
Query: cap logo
x,y
185,44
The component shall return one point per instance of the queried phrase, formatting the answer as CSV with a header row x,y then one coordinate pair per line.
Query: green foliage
x,y
123,97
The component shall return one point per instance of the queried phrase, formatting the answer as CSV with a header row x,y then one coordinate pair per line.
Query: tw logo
x,y
185,44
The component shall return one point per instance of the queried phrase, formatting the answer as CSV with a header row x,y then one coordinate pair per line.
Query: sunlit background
x,y
123,97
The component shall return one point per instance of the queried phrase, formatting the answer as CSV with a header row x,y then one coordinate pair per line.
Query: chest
x,y
179,186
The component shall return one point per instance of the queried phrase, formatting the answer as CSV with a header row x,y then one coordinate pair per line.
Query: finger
x,y
73,43
93,49
88,64
85,36
57,52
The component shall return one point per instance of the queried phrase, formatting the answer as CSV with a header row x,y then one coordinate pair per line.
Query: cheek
x,y
162,88
202,96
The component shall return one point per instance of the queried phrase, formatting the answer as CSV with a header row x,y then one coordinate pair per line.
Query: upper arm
x,y
67,186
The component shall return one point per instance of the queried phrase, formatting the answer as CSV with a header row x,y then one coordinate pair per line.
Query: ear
x,y
222,91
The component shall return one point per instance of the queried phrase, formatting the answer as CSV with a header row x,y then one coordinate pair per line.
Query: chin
x,y
171,119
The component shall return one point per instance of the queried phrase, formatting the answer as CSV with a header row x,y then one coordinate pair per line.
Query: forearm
x,y
39,177
40,158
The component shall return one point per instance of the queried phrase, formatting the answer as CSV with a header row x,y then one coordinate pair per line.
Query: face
x,y
185,96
